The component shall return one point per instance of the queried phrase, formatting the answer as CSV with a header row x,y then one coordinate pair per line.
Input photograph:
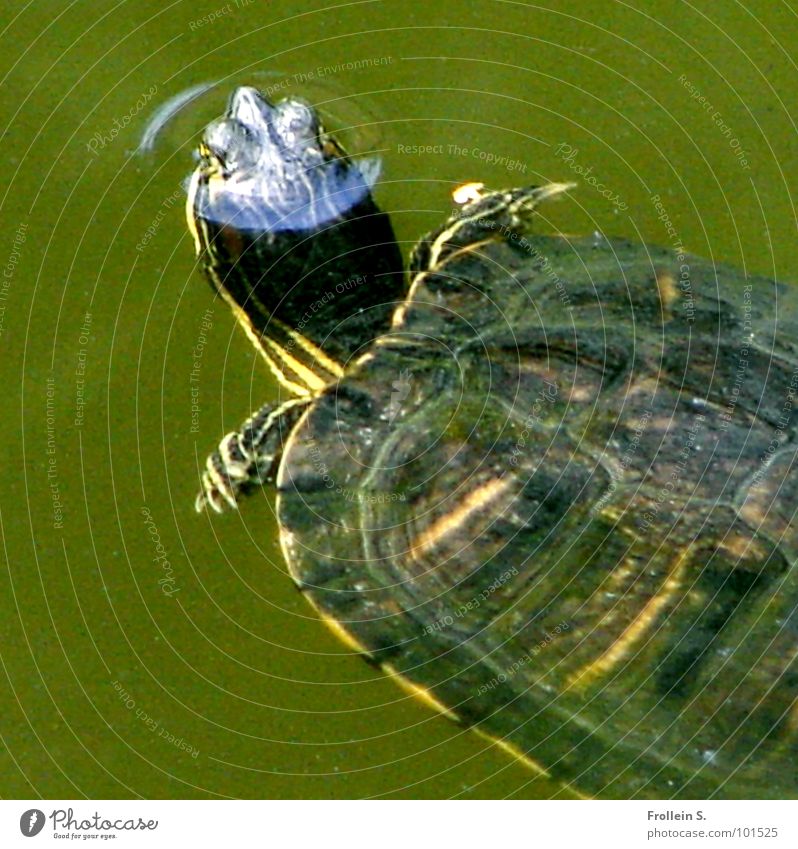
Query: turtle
x,y
543,481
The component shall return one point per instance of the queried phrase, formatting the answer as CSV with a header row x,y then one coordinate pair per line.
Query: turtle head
x,y
287,230
272,168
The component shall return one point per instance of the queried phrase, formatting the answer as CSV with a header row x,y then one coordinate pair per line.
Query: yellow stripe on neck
x,y
191,216
297,362
333,367
307,376
297,376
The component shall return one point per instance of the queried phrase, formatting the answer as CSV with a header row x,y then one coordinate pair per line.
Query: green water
x,y
209,676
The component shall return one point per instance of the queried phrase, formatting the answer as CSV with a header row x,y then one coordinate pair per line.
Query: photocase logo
x,y
31,822
401,389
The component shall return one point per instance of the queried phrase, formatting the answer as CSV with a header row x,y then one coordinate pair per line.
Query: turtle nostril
x,y
250,108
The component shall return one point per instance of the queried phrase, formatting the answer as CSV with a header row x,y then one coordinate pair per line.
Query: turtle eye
x,y
227,144
296,122
216,142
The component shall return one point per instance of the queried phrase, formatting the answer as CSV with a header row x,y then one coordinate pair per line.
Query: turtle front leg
x,y
248,457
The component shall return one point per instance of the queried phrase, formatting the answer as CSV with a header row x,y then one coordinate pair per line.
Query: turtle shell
x,y
555,500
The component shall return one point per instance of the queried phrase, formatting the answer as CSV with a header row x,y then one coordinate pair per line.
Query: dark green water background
x,y
230,686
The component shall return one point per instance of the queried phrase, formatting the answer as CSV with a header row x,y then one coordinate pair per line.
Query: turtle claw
x,y
211,497
230,469
246,458
218,490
